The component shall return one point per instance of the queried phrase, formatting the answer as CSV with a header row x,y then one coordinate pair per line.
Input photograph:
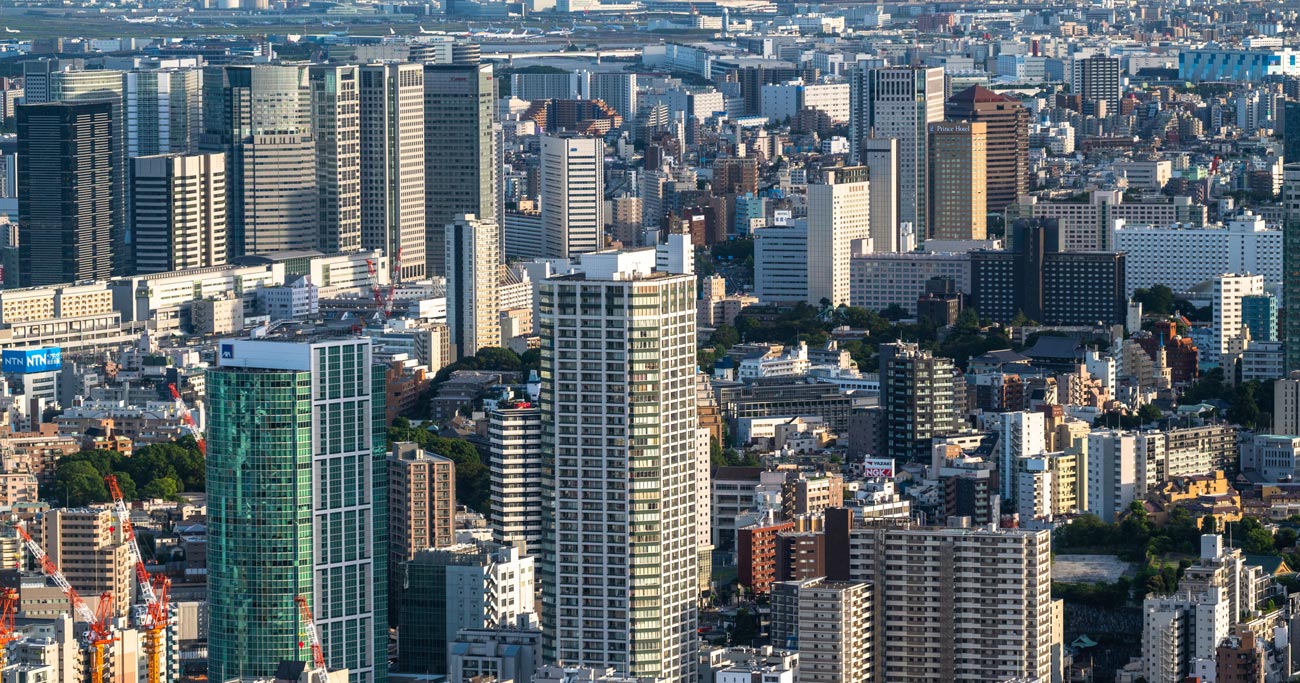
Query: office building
x,y
1007,128
920,395
899,103
1089,225
92,552
259,116
1226,294
461,166
1286,405
296,444
68,192
829,623
1097,82
1259,315
178,210
1181,257
880,280
393,165
958,183
933,580
473,286
164,111
839,214
572,171
1035,278
506,654
781,263
421,508
515,464
1116,478
1291,262
880,156
464,586
1290,131
618,89
336,127
641,553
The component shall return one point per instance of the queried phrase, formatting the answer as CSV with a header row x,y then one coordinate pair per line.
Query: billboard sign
x,y
878,467
29,361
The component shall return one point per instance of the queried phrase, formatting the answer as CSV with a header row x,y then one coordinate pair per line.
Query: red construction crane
x,y
153,590
187,419
319,674
101,630
8,606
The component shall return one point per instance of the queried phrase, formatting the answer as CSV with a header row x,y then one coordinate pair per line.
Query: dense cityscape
x,y
649,341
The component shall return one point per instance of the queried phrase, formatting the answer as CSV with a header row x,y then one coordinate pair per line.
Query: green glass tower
x,y
297,502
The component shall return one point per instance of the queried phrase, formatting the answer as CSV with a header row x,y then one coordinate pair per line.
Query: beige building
x,y
839,226
90,549
392,163
217,315
178,210
421,507
830,624
958,183
336,125
473,285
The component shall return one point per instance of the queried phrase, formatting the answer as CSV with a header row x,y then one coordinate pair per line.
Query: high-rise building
x,y
421,501
1007,127
572,171
260,117
392,164
618,89
1097,80
1225,306
515,442
958,187
880,156
927,602
1286,405
1291,262
87,546
619,452
178,210
781,263
164,111
1259,315
464,586
839,226
899,103
1114,479
68,193
461,165
297,495
336,129
1023,435
1290,131
1181,634
829,623
920,397
473,285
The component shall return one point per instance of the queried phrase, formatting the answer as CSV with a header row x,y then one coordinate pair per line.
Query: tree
x,y
1159,299
894,312
1209,524
79,483
167,488
724,336
747,627
1149,413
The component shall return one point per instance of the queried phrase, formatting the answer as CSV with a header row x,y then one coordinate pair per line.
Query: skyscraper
x,y
297,491
260,117
618,467
957,180
572,173
515,440
880,156
68,194
919,395
1097,80
473,285
1007,129
336,129
421,508
1291,263
164,111
178,208
392,164
899,102
461,169
839,215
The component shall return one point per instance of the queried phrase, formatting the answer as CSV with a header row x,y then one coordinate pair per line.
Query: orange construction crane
x,y
8,606
319,674
187,419
153,591
100,633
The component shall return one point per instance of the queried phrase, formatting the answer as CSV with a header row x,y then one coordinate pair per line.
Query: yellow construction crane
x,y
153,590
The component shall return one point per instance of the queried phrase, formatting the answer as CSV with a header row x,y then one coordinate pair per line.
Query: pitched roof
x,y
978,93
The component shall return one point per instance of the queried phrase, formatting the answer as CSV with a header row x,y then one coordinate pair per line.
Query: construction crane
x,y
319,674
384,296
8,606
187,419
153,591
100,633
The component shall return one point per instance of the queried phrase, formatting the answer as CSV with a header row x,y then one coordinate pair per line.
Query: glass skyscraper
x,y
296,495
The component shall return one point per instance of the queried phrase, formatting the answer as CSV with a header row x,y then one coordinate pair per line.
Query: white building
x,y
1286,405
573,195
793,362
880,280
1180,634
1088,226
784,101
473,285
781,263
392,215
640,325
1182,256
1114,477
1225,303
1274,457
1024,434
515,440
839,215
178,210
